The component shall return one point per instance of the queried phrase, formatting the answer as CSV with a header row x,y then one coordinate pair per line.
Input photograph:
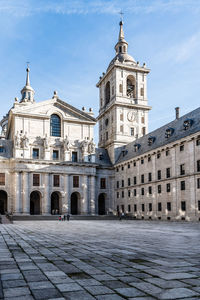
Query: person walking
x,y
68,217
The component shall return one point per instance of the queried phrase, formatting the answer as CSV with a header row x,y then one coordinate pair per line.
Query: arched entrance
x,y
101,204
35,203
55,203
75,203
3,202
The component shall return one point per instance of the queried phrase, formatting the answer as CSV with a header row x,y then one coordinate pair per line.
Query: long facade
x,y
49,163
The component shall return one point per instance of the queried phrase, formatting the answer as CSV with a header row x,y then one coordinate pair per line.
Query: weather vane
x,y
27,64
121,13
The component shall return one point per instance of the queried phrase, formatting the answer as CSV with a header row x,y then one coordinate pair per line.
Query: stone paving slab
x,y
102,260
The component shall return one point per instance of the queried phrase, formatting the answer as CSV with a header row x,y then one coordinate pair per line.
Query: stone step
x,y
4,220
56,217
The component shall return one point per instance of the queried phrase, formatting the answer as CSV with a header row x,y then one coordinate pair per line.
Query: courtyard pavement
x,y
103,260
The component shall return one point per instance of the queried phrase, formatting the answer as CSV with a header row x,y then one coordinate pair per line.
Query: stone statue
x,y
66,143
46,142
91,146
17,140
84,146
24,141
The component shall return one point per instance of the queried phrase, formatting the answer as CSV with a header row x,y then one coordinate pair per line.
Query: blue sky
x,y
70,43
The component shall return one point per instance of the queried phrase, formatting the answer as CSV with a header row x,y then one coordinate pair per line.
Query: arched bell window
x,y
130,87
107,92
55,125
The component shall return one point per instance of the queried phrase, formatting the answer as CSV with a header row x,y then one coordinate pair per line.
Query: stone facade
x,y
49,163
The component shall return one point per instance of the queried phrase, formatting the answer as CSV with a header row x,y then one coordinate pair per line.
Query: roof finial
x,y
27,76
121,31
121,13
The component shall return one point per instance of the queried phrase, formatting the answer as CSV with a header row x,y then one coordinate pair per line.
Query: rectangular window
x,y
168,187
1,149
198,165
182,169
182,185
74,156
150,206
198,142
129,193
159,189
35,154
199,205
135,192
167,153
168,173
142,207
117,184
142,91
117,194
142,178
120,88
75,181
132,131
56,180
158,155
135,207
2,178
55,154
122,194
142,161
106,135
150,190
102,183
129,181
36,179
183,206
159,206
129,208
150,177
129,166
142,120
121,128
122,207
142,191
121,117
169,206
149,157
198,183
181,147
134,164
122,183
135,180
143,130
117,208
159,174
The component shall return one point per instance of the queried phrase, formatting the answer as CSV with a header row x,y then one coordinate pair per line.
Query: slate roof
x,y
105,161
159,136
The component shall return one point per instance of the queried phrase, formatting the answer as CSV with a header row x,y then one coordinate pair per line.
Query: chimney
x,y
177,112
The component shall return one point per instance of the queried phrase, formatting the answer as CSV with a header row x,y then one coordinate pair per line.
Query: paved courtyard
x,y
104,260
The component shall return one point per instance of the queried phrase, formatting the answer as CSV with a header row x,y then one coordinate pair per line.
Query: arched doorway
x,y
101,204
3,202
35,203
75,203
55,203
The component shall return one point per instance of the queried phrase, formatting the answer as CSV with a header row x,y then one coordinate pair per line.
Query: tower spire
x,y
27,75
27,91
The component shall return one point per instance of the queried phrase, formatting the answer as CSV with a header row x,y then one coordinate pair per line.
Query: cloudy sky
x,y
70,43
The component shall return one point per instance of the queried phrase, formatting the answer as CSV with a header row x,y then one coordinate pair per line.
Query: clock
x,y
131,116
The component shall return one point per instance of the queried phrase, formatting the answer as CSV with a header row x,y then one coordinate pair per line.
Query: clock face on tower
x,y
131,116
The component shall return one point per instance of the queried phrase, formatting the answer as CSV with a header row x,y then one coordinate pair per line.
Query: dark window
x,y
122,207
117,184
167,152
118,208
182,185
35,153
182,169
183,206
1,149
158,155
168,173
142,191
181,147
159,174
129,193
55,154
150,176
128,166
198,142
199,205
132,131
122,183
117,194
150,190
74,156
129,181
142,207
159,189
135,207
117,169
107,92
106,135
135,192
55,125
168,187
56,180
159,206
75,181
102,183
134,164
122,168
135,180
142,161
36,179
142,178
2,178
129,208
169,206
122,194
149,158
198,183
198,165
150,206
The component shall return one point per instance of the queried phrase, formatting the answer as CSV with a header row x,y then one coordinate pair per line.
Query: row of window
x,y
150,207
55,155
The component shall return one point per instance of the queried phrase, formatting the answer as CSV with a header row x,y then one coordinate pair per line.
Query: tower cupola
x,y
27,91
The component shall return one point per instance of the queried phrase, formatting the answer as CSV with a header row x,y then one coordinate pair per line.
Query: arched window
x,y
107,92
55,125
130,87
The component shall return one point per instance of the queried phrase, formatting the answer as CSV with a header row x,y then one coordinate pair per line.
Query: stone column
x,y
68,194
46,207
26,198
92,195
67,155
18,194
85,195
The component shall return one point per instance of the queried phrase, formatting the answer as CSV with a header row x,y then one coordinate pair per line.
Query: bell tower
x,y
123,113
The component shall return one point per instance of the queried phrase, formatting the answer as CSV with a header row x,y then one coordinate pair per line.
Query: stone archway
x,y
35,198
3,202
75,203
102,204
56,203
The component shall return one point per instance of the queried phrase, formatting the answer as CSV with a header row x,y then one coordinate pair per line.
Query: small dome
x,y
123,58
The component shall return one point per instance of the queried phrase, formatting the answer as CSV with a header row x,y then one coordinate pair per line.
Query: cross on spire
x,y
121,13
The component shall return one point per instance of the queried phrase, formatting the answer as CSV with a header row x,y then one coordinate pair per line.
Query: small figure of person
x,y
120,216
59,218
64,217
68,217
